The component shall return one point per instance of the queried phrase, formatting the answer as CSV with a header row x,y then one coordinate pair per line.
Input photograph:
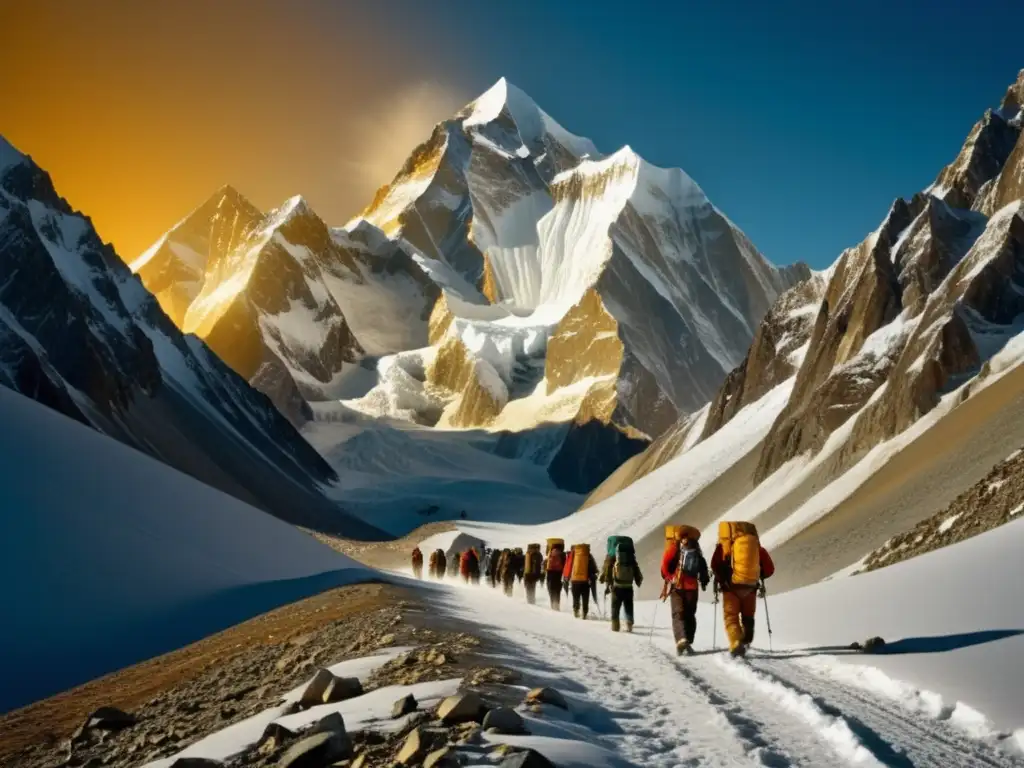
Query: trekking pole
x,y
650,635
767,617
714,621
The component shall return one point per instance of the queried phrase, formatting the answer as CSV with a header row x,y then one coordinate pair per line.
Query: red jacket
x,y
767,566
669,563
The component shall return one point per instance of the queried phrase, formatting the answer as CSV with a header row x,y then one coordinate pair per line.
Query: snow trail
x,y
710,710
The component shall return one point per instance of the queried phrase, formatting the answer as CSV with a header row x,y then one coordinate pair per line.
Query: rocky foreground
x,y
155,710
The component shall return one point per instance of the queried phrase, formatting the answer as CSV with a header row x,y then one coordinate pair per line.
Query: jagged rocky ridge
x,y
578,304
872,345
79,333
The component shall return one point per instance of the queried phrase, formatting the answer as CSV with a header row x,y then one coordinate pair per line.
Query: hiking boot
x,y
629,626
739,651
575,613
682,647
615,626
584,615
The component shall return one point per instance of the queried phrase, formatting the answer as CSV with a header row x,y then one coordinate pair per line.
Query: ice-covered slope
x,y
79,333
110,557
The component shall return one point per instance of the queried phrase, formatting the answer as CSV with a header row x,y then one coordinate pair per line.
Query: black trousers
x,y
530,582
622,599
581,597
554,582
684,613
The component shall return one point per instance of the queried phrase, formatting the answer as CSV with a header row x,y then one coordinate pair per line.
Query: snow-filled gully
x,y
709,710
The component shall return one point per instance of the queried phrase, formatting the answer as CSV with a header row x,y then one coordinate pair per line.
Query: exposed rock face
x,y
775,355
266,292
876,342
79,333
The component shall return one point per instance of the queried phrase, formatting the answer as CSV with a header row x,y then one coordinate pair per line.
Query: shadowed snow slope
x,y
109,557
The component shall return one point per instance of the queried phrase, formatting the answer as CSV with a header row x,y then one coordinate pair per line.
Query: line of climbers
x,y
738,566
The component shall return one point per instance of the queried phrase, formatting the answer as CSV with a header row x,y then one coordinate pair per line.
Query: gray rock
x,y
314,693
527,759
547,696
333,723
503,720
316,751
342,688
404,706
277,732
461,708
110,719
325,688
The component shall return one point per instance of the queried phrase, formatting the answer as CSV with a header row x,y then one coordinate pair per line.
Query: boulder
x,y
547,696
527,759
418,744
316,751
314,693
277,732
404,706
503,720
442,758
110,719
325,688
343,688
461,708
333,723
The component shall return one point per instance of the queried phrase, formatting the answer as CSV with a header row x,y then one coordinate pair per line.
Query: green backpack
x,y
624,570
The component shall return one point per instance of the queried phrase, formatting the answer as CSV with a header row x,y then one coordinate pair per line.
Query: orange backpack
x,y
581,562
741,548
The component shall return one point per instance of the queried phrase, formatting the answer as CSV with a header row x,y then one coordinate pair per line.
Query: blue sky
x,y
801,120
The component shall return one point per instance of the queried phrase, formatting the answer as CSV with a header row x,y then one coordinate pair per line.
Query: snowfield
x,y
948,690
110,557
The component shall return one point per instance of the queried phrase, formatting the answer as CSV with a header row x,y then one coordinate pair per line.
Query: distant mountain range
x,y
80,333
510,278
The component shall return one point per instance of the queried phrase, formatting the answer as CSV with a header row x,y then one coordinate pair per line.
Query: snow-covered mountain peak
x,y
532,123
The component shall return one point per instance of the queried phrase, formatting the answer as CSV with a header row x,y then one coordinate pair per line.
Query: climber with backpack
x,y
683,569
473,566
417,563
619,573
532,569
553,565
580,575
440,564
740,565
507,571
485,564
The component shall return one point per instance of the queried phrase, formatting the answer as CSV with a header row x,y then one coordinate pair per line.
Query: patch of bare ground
x,y
994,500
190,693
